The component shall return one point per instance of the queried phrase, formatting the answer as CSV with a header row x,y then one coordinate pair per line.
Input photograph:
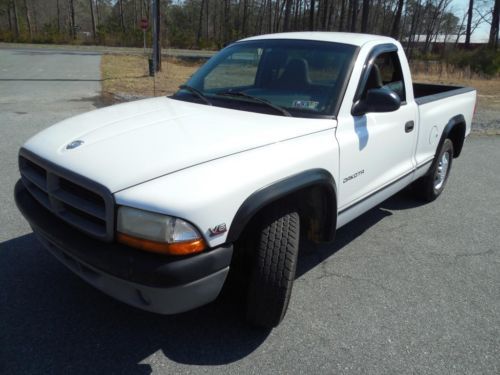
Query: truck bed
x,y
426,92
437,106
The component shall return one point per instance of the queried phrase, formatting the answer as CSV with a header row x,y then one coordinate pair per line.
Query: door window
x,y
386,72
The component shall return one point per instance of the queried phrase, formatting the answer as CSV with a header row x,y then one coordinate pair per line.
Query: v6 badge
x,y
218,229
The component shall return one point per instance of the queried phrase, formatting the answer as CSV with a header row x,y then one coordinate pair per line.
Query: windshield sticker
x,y
305,104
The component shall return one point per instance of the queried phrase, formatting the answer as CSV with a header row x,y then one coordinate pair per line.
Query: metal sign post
x,y
156,36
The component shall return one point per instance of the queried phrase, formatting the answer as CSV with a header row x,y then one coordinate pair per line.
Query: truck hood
x,y
127,144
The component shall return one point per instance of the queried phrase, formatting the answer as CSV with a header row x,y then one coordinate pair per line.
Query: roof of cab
x,y
346,38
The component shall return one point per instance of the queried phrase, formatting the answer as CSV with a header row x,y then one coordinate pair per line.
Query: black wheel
x,y
276,247
430,186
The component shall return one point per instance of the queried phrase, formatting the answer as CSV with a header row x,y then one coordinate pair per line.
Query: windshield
x,y
303,77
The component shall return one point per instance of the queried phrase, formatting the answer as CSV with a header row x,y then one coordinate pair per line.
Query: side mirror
x,y
377,100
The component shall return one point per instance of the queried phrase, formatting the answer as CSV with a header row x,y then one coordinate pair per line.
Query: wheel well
x,y
318,212
457,137
316,206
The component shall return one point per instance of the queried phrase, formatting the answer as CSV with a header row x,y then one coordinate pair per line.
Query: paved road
x,y
37,89
405,289
174,52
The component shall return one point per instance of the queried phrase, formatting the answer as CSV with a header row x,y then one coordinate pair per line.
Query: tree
x,y
433,16
9,15
58,7
122,17
210,24
354,15
227,10
397,19
415,17
72,19
16,17
200,22
245,16
288,9
342,15
270,15
364,17
469,24
92,17
28,18
495,20
311,14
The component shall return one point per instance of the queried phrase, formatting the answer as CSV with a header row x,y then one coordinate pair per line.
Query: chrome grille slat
x,y
80,202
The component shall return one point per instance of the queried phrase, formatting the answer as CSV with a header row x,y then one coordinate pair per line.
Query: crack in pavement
x,y
325,273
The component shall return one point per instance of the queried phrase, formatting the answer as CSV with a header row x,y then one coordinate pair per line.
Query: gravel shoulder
x,y
486,122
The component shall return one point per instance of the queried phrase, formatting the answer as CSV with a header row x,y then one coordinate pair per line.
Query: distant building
x,y
438,42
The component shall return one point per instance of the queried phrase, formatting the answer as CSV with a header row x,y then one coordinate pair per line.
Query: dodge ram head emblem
x,y
74,144
218,229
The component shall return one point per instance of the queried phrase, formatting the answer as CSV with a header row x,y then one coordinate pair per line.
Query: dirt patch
x,y
127,77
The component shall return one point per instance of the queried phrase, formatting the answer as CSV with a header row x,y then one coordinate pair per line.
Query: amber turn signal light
x,y
178,248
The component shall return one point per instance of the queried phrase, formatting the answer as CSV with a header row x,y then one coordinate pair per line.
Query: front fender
x,y
212,193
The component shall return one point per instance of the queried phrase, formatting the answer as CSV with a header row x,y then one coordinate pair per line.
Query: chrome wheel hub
x,y
442,170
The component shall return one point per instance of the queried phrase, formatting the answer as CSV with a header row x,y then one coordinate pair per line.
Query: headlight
x,y
157,233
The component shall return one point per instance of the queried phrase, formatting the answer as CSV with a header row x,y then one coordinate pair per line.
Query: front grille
x,y
80,202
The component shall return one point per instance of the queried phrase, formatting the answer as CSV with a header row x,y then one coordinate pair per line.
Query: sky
x,y
459,7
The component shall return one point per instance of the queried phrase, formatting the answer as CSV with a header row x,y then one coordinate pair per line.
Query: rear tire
x,y
430,186
276,247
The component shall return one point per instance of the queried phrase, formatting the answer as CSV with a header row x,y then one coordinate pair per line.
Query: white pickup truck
x,y
155,202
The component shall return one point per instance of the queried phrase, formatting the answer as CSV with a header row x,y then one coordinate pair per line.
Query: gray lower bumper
x,y
168,300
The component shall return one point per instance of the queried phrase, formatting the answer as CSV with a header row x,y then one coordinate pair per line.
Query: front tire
x,y
274,264
430,186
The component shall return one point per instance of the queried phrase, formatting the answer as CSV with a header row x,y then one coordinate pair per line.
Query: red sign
x,y
144,23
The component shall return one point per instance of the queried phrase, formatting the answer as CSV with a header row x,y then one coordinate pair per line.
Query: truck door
x,y
376,148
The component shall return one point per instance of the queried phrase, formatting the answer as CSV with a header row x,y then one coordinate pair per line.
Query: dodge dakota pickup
x,y
156,201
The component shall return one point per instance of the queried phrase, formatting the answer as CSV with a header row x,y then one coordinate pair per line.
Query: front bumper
x,y
156,283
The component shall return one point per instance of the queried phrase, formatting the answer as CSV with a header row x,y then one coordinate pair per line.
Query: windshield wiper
x,y
196,93
242,94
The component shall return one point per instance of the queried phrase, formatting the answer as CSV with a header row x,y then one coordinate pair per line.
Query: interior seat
x,y
295,75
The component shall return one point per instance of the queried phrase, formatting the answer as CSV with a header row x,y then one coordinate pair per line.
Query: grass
x,y
126,77
487,89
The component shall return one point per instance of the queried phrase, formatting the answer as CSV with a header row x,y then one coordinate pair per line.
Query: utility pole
x,y
156,36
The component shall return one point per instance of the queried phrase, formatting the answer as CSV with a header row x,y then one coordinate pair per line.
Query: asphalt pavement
x,y
407,288
69,48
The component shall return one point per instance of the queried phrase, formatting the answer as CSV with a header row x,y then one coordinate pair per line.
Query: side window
x,y
386,72
391,73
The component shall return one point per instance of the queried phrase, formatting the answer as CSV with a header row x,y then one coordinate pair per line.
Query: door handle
x,y
409,126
